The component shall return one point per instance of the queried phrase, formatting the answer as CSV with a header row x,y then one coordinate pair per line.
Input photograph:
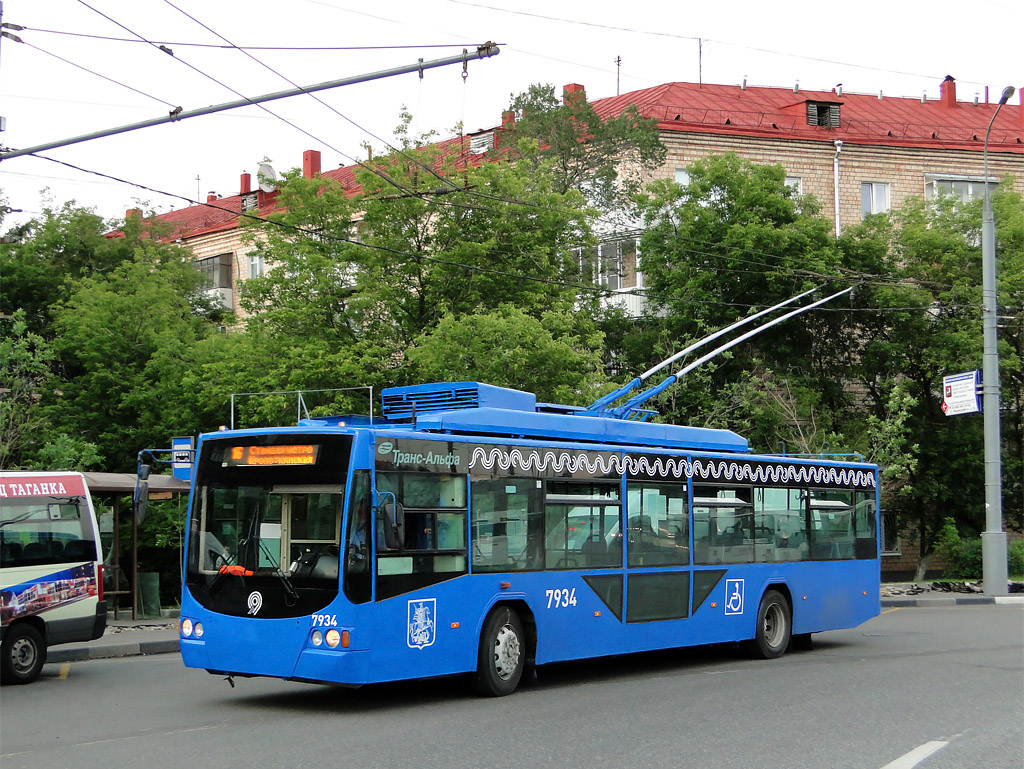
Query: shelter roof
x,y
124,483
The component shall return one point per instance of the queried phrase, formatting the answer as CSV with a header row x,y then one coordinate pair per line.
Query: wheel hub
x,y
506,652
23,655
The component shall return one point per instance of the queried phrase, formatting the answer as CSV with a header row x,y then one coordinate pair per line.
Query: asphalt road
x,y
944,681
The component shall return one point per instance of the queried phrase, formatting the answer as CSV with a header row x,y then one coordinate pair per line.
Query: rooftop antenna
x,y
623,411
618,71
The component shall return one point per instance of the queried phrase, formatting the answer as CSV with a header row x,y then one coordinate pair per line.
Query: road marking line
x,y
890,611
64,670
917,755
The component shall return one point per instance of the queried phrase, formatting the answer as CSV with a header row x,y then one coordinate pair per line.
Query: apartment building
x,y
858,154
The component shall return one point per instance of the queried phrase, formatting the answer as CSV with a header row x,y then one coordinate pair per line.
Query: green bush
x,y
963,556
1015,558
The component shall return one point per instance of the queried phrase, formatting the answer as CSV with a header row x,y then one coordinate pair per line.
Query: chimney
x,y
211,197
246,184
574,93
311,163
508,122
947,92
133,213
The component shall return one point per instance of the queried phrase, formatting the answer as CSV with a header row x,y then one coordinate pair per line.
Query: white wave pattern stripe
x,y
538,461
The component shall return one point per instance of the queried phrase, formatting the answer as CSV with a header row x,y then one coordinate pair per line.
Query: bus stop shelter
x,y
112,488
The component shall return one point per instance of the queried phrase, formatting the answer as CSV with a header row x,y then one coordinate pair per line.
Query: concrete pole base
x,y
993,556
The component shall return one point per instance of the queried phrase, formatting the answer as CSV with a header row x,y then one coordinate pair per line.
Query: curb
x,y
965,600
111,651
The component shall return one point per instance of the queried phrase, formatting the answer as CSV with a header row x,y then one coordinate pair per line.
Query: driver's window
x,y
358,544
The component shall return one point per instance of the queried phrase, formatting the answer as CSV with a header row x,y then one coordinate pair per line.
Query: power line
x,y
692,38
181,44
91,72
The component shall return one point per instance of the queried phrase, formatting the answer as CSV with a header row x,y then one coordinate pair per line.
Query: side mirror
x,y
391,516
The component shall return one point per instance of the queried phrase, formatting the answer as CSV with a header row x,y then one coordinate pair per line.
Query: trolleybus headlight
x,y
318,638
186,627
199,630
333,638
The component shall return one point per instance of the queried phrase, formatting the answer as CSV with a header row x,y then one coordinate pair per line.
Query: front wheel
x,y
502,654
22,655
774,627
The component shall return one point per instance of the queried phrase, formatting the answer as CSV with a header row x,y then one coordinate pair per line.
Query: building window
x,y
823,114
216,270
796,184
682,177
874,198
962,188
612,265
481,143
255,266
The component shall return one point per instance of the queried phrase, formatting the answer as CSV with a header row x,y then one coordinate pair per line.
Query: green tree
x,y
122,339
41,259
557,357
604,157
734,239
25,360
355,282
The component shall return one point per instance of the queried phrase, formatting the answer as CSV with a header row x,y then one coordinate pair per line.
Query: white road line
x,y
917,755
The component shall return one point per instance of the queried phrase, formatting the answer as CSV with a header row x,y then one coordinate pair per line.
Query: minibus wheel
x,y
22,655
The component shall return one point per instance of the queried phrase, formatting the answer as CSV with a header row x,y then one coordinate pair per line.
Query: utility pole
x,y
993,539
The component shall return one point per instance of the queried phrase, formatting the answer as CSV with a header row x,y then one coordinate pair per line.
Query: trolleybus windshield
x,y
267,515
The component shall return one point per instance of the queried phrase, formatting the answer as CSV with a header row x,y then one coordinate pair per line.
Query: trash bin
x,y
149,595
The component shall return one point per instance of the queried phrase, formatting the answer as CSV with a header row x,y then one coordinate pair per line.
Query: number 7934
x,y
561,598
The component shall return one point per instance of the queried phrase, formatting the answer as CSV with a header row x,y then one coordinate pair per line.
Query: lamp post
x,y
993,539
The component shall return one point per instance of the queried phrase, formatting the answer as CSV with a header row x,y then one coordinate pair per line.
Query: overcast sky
x,y
899,47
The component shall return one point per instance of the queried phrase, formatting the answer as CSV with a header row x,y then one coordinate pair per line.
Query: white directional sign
x,y
961,393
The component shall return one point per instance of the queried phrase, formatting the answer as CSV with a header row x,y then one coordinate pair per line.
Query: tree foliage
x,y
604,157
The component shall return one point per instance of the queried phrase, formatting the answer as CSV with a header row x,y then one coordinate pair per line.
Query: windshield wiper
x,y
290,592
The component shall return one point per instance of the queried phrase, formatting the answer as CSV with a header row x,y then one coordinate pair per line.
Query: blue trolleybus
x,y
473,530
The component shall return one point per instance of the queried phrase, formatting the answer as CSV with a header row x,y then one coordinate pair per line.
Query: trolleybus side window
x,y
580,521
865,525
831,516
780,525
723,524
657,527
507,524
432,546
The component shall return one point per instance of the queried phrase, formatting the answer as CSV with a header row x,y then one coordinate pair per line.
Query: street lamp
x,y
993,539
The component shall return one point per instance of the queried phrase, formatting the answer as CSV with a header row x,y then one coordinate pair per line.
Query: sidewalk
x,y
957,594
130,638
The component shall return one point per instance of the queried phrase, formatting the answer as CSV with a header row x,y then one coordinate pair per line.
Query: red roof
x,y
864,118
778,113
223,214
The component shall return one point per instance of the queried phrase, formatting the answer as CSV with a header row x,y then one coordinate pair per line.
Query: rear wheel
x,y
22,654
774,627
502,654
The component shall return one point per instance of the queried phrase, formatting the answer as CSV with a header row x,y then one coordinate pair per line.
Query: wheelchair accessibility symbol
x,y
734,596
